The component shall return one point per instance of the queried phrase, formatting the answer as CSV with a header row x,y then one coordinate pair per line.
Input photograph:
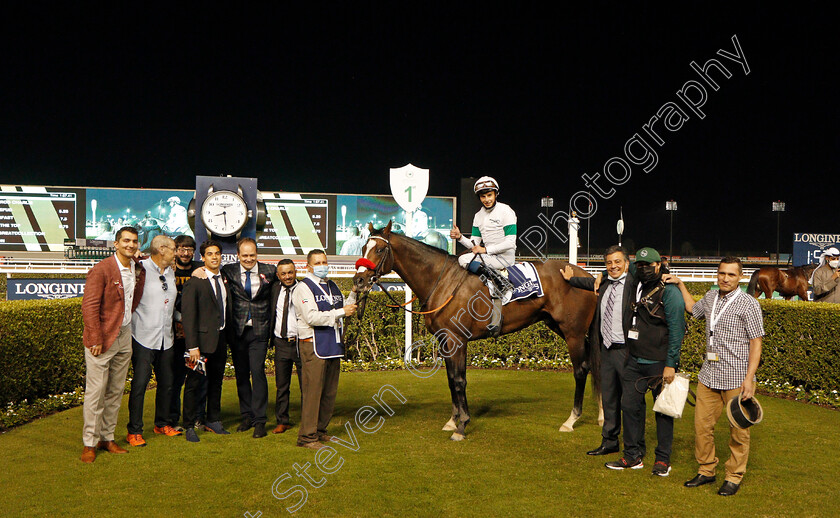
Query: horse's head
x,y
377,260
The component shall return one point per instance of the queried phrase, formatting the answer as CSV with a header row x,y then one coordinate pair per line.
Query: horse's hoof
x,y
457,437
566,428
450,426
601,423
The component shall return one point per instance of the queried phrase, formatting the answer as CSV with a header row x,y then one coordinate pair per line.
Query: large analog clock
x,y
224,213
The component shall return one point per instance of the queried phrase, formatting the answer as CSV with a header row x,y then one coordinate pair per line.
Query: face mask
x,y
834,263
647,273
321,271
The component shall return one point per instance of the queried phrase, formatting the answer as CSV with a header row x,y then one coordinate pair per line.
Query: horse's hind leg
x,y
576,351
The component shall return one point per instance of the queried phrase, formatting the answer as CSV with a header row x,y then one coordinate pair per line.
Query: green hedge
x,y
41,351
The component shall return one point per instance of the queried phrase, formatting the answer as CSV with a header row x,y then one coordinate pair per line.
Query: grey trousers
x,y
104,387
320,386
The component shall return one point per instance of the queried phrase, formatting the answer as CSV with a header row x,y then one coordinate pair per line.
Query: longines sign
x,y
29,289
809,246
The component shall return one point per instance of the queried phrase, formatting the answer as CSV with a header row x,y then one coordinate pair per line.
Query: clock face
x,y
224,213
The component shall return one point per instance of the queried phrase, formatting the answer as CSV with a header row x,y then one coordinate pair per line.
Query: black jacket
x,y
200,315
588,283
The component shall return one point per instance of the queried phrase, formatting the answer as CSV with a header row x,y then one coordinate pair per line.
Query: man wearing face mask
x,y
654,341
826,278
608,333
320,309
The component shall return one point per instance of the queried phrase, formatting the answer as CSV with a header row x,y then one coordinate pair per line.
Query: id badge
x,y
633,334
712,357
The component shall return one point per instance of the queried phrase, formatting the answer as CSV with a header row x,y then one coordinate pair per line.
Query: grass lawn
x,y
513,463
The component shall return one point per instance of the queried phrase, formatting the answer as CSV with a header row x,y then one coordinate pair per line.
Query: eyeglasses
x,y
186,249
163,281
487,184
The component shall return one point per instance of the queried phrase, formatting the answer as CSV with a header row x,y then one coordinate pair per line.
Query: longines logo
x,y
818,240
19,289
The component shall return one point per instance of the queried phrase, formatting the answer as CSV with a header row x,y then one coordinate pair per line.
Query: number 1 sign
x,y
409,185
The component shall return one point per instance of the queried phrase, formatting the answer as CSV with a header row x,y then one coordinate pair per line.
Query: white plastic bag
x,y
671,400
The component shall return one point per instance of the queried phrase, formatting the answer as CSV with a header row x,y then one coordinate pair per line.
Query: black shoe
x,y
623,463
699,480
191,435
728,488
603,450
259,430
244,426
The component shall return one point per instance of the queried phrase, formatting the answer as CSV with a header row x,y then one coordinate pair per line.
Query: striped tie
x,y
606,324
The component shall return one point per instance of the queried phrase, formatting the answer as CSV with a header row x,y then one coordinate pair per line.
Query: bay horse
x,y
458,308
790,282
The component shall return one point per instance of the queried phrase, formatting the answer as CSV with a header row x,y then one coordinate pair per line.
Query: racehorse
x,y
790,282
458,308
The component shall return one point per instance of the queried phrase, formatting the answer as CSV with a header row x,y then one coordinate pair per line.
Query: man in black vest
x,y
250,288
608,334
654,341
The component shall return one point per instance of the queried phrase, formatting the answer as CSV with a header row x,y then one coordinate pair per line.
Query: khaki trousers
x,y
710,404
104,387
319,380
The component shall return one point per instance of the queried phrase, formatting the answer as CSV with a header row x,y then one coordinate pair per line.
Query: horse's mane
x,y
414,243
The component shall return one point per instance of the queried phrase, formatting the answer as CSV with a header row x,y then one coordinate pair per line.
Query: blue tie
x,y
248,291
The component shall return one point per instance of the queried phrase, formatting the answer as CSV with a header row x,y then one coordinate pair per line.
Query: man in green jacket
x,y
654,342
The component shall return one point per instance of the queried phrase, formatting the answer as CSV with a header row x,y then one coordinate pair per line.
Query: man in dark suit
x,y
250,288
284,339
113,289
608,333
205,311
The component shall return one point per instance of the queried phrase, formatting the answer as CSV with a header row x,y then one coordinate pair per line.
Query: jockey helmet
x,y
484,184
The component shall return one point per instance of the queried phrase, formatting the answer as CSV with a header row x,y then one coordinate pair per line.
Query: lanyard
x,y
328,295
713,320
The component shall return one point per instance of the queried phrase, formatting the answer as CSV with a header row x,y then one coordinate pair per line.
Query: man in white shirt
x,y
152,335
320,309
284,340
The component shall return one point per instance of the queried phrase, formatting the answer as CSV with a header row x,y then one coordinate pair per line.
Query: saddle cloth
x,y
526,282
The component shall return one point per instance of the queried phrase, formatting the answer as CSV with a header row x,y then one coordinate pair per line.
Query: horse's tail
x,y
753,283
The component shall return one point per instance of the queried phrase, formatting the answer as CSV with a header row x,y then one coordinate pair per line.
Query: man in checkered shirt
x,y
734,328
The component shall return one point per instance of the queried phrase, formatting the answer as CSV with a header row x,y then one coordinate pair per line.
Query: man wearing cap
x,y
826,278
734,328
653,345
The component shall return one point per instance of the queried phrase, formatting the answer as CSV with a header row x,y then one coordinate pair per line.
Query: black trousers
x,y
143,360
215,374
179,370
286,357
633,407
612,372
249,354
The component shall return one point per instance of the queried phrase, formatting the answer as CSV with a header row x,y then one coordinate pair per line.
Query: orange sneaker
x,y
135,439
167,431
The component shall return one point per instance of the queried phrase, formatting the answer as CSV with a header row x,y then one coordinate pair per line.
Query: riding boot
x,y
504,289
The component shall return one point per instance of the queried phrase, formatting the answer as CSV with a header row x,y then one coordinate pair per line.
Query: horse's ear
x,y
387,230
370,227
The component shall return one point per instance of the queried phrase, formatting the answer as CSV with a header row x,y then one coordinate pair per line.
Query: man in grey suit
x,y
608,333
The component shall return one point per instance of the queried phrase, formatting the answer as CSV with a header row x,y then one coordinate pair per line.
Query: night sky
x,y
329,101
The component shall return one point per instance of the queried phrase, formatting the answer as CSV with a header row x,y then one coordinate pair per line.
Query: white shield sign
x,y
409,185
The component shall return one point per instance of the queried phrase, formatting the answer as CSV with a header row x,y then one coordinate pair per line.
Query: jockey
x,y
495,225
